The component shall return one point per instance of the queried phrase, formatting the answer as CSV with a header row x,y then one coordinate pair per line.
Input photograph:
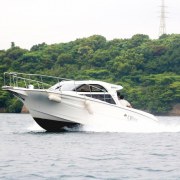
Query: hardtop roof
x,y
106,85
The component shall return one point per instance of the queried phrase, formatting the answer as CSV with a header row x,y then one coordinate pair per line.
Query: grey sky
x,y
30,22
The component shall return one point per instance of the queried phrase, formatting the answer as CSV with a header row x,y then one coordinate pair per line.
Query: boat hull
x,y
54,126
54,111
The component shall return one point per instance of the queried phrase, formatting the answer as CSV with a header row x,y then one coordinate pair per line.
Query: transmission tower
x,y
162,28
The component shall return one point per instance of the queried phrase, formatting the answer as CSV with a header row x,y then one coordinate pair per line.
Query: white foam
x,y
124,126
135,127
35,127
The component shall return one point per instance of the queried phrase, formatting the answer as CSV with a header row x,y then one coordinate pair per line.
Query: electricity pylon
x,y
162,28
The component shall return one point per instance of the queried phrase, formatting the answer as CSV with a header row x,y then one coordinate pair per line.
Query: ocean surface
x,y
133,151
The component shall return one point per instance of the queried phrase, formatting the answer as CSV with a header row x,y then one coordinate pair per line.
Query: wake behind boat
x,y
69,103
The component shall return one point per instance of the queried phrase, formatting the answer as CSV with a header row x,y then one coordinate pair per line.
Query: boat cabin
x,y
95,89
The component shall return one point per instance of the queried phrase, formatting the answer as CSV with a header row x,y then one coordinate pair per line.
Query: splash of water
x,y
135,127
124,126
130,127
35,128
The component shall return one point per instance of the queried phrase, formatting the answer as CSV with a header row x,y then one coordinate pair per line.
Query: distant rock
x,y
24,109
2,110
175,111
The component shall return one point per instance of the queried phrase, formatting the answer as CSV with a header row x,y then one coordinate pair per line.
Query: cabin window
x,y
97,88
91,88
83,88
103,97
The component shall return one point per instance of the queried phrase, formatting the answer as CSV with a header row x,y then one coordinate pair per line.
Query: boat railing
x,y
39,81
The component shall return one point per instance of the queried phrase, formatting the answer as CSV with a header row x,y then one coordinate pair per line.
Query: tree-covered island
x,y
149,70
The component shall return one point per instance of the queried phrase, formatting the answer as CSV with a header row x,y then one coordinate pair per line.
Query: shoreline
x,y
165,114
174,112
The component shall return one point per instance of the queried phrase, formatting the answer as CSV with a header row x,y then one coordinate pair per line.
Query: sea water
x,y
131,151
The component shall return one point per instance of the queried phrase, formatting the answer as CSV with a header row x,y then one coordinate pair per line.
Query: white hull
x,y
68,109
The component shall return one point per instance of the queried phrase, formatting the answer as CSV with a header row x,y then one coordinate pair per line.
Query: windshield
x,y
90,88
72,86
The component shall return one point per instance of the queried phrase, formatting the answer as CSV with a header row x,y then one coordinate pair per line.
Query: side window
x,y
83,88
103,97
97,88
109,99
91,88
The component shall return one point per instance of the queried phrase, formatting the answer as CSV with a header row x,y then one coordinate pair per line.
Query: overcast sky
x,y
30,22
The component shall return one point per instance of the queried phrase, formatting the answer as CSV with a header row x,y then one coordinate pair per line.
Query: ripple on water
x,y
29,152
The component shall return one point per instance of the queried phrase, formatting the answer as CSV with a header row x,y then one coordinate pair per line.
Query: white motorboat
x,y
69,103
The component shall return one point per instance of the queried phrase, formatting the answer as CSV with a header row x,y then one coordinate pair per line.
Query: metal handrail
x,y
15,78
40,75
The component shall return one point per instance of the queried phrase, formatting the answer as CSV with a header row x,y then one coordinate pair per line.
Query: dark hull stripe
x,y
54,126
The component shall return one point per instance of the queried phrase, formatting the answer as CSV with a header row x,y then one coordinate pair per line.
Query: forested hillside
x,y
149,70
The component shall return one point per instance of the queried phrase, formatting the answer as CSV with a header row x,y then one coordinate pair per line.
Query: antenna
x,y
162,28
